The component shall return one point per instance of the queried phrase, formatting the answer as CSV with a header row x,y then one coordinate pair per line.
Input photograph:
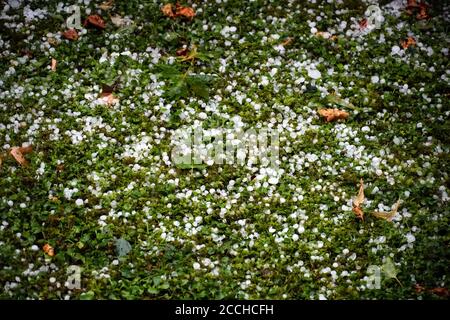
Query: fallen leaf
x,y
59,167
180,11
117,20
18,152
70,34
95,21
418,288
443,292
389,270
123,247
186,12
388,215
48,249
53,64
323,34
52,41
360,197
408,42
107,5
423,14
167,10
333,114
287,41
109,98
359,213
182,52
191,56
412,4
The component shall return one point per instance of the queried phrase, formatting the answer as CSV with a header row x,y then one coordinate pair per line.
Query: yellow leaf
x,y
388,215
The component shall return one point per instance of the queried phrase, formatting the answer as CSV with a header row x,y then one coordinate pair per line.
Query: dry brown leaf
x,y
167,10
287,41
359,213
48,249
107,5
408,42
18,152
360,197
323,34
423,14
186,12
96,21
443,292
180,11
54,62
52,41
388,215
333,114
117,20
109,98
70,34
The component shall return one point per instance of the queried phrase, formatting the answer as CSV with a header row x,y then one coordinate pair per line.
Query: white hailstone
x,y
295,237
10,203
319,244
374,79
34,247
314,73
273,180
322,297
301,229
395,50
196,265
365,129
345,251
52,280
313,30
115,262
397,140
79,202
410,238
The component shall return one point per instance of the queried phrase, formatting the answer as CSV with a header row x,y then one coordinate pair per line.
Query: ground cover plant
x,y
92,205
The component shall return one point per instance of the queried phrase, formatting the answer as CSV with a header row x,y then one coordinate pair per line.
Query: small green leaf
x,y
123,247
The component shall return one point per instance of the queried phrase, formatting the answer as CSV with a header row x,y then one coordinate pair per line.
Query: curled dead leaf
x,y
360,197
52,41
423,14
107,5
443,292
109,98
388,215
167,10
180,11
333,114
117,20
191,55
359,213
53,66
18,154
95,21
49,250
408,42
186,12
70,34
287,41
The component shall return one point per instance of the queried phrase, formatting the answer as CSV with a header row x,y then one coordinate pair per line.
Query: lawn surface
x,y
100,188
